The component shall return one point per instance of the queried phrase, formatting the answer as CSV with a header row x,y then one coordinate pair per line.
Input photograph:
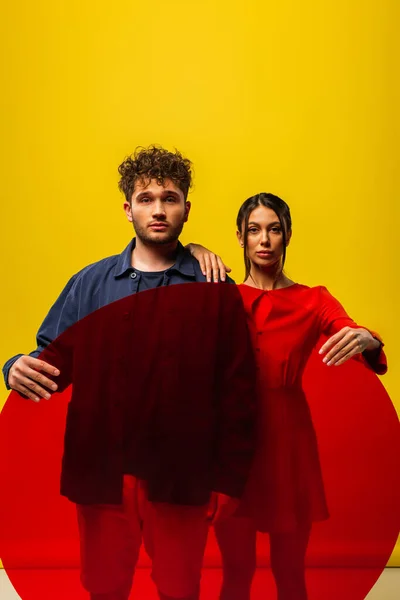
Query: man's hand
x,y
221,507
211,264
26,376
347,343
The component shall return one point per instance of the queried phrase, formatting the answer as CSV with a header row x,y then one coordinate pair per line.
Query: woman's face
x,y
264,239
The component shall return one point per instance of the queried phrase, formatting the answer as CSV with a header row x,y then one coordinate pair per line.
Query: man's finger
x,y
41,379
40,365
34,388
27,392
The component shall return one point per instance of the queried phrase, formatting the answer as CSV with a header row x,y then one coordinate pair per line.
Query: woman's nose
x,y
265,239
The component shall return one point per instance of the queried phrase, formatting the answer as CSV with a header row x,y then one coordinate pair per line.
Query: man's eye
x,y
145,199
171,199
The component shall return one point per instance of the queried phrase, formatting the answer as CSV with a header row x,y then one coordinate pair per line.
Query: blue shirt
x,y
101,283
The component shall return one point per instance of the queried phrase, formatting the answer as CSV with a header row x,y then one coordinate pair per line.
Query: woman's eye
x,y
276,229
252,230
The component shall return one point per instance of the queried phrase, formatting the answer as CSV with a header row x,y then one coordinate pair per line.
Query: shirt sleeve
x,y
60,317
60,354
333,318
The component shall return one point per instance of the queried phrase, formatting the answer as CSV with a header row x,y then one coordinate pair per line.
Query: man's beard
x,y
158,238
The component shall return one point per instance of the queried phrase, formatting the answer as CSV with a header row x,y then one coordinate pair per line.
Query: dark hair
x,y
269,201
157,163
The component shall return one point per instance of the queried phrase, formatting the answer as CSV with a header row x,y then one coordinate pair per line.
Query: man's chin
x,y
159,238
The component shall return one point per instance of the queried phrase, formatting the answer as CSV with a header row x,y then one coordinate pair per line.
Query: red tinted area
x,y
135,345
359,443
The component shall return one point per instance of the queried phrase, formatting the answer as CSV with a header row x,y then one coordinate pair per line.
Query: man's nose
x,y
158,209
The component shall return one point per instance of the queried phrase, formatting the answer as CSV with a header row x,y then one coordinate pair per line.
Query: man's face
x,y
158,212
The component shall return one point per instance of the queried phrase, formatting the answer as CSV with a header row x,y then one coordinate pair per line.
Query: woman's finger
x,y
333,340
215,268
342,343
222,269
208,267
346,357
351,346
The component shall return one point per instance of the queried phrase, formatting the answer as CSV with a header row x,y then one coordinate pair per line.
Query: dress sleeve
x,y
333,318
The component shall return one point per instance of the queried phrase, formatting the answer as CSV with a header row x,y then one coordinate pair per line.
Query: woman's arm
x,y
347,339
212,265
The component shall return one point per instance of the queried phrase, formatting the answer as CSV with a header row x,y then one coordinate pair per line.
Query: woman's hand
x,y
221,507
211,264
347,343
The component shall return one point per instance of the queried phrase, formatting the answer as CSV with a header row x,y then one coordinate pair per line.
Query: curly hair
x,y
157,163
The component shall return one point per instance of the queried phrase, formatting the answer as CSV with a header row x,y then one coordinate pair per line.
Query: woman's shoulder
x,y
316,297
315,291
292,288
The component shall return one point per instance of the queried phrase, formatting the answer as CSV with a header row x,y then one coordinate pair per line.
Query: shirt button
x,y
259,332
258,349
126,316
133,275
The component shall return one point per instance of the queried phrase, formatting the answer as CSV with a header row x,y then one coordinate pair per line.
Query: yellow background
x,y
297,98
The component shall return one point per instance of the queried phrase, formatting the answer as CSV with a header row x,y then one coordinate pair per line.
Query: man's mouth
x,y
158,226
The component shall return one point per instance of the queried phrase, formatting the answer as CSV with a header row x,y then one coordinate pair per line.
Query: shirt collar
x,y
183,264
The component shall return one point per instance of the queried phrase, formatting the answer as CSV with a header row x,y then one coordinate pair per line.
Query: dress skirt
x,y
285,489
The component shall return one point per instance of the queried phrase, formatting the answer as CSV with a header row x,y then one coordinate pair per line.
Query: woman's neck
x,y
267,279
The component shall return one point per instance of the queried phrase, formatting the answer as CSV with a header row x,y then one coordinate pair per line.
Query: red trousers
x,y
111,536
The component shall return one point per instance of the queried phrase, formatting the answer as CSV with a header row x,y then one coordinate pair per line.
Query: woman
x,y
285,492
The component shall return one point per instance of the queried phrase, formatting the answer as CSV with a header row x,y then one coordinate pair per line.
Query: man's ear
x,y
188,206
128,210
240,239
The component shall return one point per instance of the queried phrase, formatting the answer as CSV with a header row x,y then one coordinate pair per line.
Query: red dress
x,y
285,489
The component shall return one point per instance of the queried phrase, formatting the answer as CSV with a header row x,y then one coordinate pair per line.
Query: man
x,y
144,458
